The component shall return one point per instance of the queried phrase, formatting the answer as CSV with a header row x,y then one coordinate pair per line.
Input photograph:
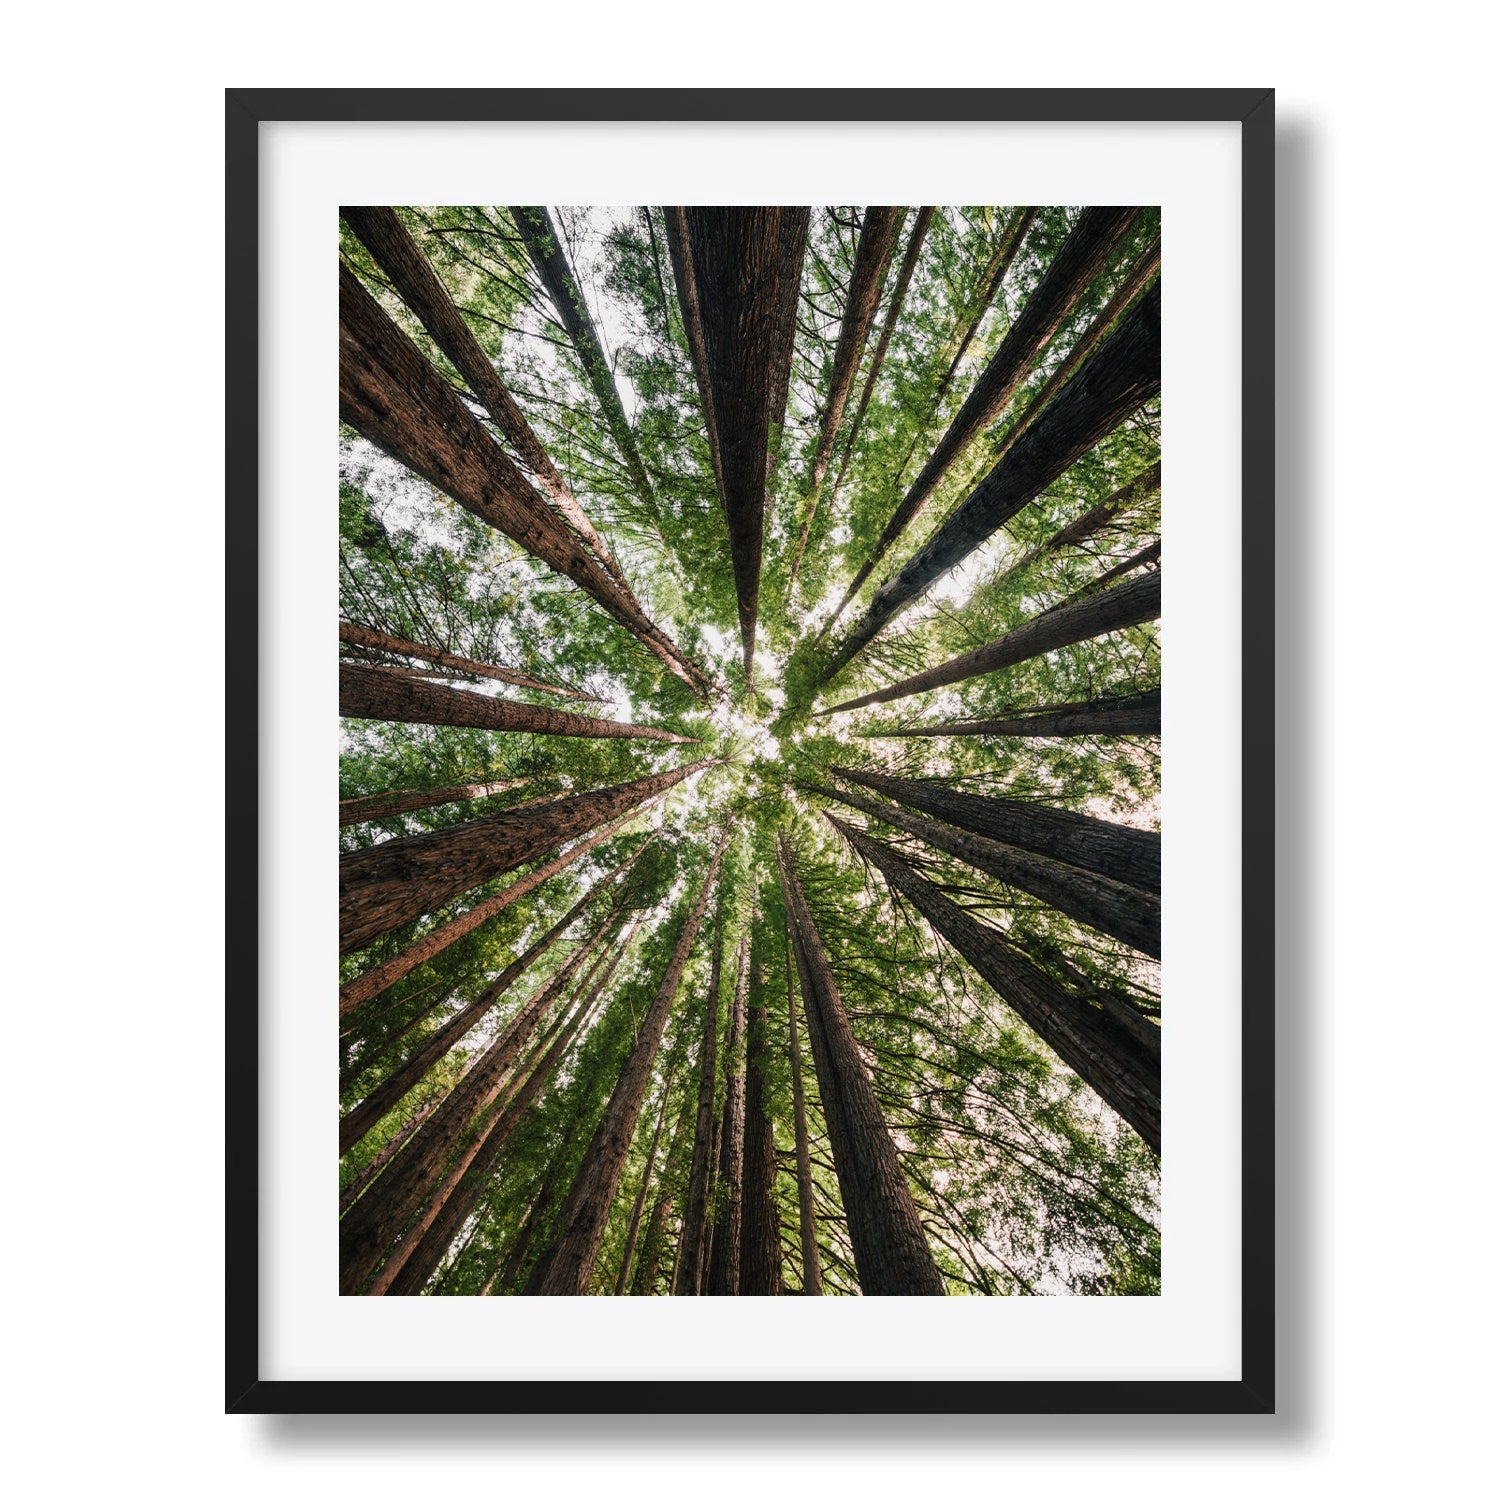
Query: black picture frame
x,y
1254,1391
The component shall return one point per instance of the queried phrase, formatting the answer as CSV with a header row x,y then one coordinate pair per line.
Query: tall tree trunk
x,y
389,393
632,1233
812,1274
1136,713
385,237
384,886
1131,855
381,1100
369,1230
734,267
377,1163
1109,906
1115,1061
354,810
724,1267
1122,376
649,1265
544,246
870,258
1093,520
421,1251
760,1227
377,640
691,1260
586,1212
1151,553
1130,603
877,360
365,987
383,693
1141,273
890,1246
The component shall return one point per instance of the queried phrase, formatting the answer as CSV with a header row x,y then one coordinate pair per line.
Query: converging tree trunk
x,y
388,884
381,693
734,267
812,1274
1122,376
870,257
691,1259
890,1246
633,1230
724,1267
1131,603
586,1210
393,645
354,810
391,395
1134,713
1116,1061
760,1226
648,1267
1130,855
1110,906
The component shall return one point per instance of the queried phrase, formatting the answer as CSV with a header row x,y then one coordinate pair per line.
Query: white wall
x,y
1387,394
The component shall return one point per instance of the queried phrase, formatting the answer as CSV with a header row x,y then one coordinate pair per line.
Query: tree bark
x,y
354,810
691,1260
1130,855
724,1267
377,640
544,246
391,395
632,1233
377,1163
870,257
760,1227
1109,906
649,1265
585,1213
1121,377
890,1247
737,266
1115,1061
370,1229
382,693
365,987
449,1209
1137,713
812,1274
419,286
381,1100
1151,553
384,886
1130,603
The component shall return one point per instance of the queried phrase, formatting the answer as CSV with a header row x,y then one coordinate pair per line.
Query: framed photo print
x,y
802,894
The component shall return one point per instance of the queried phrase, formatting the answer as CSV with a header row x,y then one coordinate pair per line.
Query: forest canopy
x,y
750,688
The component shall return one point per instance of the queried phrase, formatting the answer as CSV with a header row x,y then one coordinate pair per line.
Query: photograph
x,y
749,750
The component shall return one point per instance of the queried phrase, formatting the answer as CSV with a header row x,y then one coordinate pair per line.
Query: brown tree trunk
x,y
1122,376
381,1100
369,1230
1115,1061
384,886
365,987
422,1249
1151,553
382,693
585,1213
1095,519
870,257
1131,855
1137,713
890,1246
410,272
691,1260
736,267
760,1229
377,1163
1145,268
1109,906
632,1233
812,1275
377,640
1130,603
544,246
649,1265
391,395
354,810
724,1266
